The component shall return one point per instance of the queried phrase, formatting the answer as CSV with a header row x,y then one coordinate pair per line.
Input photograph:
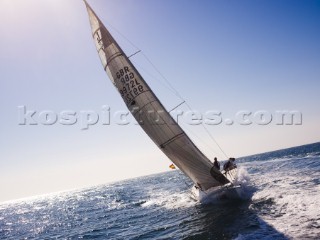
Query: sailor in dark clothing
x,y
229,165
216,164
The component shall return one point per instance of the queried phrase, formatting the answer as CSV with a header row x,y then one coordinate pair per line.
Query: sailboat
x,y
164,131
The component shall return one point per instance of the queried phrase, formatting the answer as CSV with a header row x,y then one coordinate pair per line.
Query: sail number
x,y
130,87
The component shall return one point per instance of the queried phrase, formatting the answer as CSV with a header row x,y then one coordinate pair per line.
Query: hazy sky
x,y
225,56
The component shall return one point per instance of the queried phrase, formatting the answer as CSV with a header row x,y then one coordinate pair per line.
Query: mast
x,y
149,112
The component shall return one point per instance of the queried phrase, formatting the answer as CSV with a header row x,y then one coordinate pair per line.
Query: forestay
x,y
150,113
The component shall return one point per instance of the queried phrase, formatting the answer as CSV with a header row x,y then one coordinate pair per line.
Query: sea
x,y
282,202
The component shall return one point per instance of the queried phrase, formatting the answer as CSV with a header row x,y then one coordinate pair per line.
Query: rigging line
x,y
122,35
210,135
152,76
164,78
215,141
209,146
134,54
176,106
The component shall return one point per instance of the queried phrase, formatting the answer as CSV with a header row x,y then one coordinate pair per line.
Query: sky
x,y
221,56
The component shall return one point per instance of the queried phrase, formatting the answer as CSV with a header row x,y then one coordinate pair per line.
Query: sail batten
x,y
149,112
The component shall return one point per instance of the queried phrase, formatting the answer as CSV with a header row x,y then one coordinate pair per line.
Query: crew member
x,y
229,165
216,164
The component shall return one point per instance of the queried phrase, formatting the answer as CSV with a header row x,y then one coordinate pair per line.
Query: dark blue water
x,y
285,204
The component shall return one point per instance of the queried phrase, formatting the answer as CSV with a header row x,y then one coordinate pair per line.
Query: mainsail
x,y
150,113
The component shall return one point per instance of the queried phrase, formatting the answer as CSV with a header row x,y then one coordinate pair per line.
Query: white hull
x,y
230,191
218,193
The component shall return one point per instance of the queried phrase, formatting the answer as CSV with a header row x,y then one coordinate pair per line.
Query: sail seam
x,y
171,140
112,57
162,117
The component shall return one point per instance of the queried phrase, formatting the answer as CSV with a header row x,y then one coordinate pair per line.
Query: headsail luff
x,y
142,102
